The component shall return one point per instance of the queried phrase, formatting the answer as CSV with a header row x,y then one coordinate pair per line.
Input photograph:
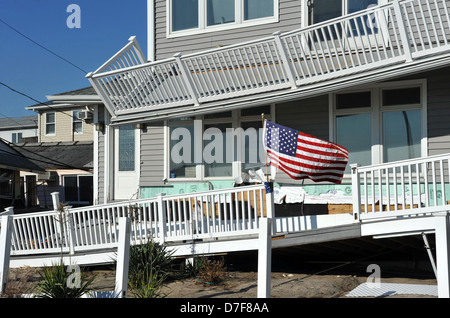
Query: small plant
x,y
150,265
208,271
56,283
143,286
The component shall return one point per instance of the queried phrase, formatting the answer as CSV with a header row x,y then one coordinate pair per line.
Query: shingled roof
x,y
13,160
59,155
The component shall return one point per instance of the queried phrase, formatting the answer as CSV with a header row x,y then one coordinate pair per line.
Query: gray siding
x,y
309,116
438,112
152,156
289,19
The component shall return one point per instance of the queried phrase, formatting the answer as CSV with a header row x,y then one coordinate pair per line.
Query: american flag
x,y
303,156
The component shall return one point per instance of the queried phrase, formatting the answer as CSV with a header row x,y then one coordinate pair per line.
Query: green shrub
x,y
149,266
56,284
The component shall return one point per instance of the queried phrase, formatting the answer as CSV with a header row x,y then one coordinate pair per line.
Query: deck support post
x,y
443,255
264,257
6,223
356,192
162,232
123,258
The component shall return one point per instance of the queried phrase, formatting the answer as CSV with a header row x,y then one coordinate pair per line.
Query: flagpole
x,y
265,153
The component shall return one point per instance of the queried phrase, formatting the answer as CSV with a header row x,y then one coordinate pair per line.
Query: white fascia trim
x,y
46,107
96,158
240,23
151,47
78,98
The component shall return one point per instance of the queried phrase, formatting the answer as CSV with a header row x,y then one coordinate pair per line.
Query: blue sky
x,y
106,26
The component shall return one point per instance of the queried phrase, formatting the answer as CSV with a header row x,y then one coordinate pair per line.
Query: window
x,y
78,188
77,124
218,145
196,16
16,137
184,14
323,10
126,148
50,124
383,124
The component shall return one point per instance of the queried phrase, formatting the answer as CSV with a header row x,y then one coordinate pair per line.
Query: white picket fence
x,y
398,32
175,218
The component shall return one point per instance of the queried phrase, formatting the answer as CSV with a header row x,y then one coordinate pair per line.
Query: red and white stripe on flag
x,y
304,156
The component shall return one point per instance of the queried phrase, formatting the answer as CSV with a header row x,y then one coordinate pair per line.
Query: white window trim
x,y
305,11
236,120
46,123
376,110
203,28
76,120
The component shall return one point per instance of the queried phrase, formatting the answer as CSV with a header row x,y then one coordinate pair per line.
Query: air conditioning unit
x,y
48,176
85,115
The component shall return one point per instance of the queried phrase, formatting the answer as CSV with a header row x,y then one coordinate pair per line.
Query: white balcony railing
x,y
406,187
203,215
380,36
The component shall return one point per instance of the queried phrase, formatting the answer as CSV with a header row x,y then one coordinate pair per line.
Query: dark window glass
x,y
353,100
403,96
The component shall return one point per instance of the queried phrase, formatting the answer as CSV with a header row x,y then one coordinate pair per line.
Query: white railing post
x,y
58,217
443,255
356,192
286,64
138,49
71,229
162,218
270,204
55,199
264,257
403,31
186,78
123,258
105,98
6,224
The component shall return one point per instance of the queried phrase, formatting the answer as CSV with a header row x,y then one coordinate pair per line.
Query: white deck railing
x,y
203,215
377,37
401,188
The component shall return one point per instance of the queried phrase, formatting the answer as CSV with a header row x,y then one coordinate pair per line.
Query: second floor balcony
x,y
359,46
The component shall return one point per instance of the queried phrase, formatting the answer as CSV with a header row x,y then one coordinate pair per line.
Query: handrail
x,y
210,214
407,187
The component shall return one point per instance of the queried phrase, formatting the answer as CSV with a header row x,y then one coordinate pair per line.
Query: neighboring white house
x,y
15,129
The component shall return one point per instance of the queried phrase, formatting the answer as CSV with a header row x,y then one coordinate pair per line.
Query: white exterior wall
x,y
7,134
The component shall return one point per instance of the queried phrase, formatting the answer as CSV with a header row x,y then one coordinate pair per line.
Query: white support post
x,y
286,64
59,223
403,32
71,228
123,258
5,243
443,255
264,257
55,199
185,75
162,218
356,192
270,204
